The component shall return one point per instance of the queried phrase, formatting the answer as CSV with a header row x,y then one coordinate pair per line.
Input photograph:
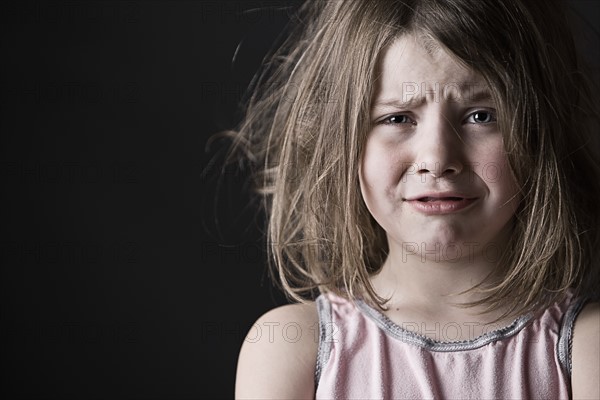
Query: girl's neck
x,y
435,287
424,296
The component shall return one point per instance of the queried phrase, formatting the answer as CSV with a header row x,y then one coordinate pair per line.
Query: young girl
x,y
430,176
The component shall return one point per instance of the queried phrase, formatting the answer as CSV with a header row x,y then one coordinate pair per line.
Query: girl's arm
x,y
279,355
585,354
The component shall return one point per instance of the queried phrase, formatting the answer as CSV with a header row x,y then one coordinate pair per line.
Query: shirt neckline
x,y
404,335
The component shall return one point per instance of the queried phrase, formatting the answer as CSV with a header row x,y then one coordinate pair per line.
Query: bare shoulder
x,y
279,355
585,354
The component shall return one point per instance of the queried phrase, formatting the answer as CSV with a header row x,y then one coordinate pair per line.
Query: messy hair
x,y
307,120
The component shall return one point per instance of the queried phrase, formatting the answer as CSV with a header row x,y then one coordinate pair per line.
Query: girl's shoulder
x,y
585,354
279,354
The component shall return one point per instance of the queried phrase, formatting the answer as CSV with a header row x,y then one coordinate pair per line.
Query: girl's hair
x,y
307,120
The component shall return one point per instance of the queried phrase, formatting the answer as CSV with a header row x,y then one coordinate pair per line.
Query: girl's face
x,y
434,173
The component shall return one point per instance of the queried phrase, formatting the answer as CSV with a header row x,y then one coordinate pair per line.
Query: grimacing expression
x,y
434,173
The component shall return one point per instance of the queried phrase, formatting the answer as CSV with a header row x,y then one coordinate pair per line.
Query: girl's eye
x,y
397,119
481,117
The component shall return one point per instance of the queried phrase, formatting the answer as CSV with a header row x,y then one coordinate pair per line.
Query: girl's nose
x,y
438,170
439,152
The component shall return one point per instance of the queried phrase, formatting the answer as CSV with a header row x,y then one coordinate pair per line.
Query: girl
x,y
430,177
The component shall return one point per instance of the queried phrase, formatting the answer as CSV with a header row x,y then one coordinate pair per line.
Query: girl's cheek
x,y
489,164
385,161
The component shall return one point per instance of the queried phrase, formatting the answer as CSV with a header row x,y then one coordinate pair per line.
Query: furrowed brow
x,y
452,92
466,92
398,103
477,96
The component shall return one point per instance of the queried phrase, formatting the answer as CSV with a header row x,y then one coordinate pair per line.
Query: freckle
x,y
397,308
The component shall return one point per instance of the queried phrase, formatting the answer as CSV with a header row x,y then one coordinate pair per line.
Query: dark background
x,y
116,281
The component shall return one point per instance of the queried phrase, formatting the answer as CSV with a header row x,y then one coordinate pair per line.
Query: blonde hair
x,y
307,120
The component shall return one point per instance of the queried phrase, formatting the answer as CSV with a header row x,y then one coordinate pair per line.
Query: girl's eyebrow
x,y
468,96
414,101
478,96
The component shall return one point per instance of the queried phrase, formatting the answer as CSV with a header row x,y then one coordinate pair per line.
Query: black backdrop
x,y
116,281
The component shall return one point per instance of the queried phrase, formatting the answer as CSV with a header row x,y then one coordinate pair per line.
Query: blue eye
x,y
481,117
397,119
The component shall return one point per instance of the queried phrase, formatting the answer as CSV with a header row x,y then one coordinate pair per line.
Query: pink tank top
x,y
364,355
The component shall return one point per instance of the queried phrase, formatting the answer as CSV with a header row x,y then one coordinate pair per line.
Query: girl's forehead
x,y
408,57
412,67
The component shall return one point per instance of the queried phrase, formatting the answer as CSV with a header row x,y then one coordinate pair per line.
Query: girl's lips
x,y
440,205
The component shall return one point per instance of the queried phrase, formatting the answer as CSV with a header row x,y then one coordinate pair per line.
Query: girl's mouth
x,y
440,205
428,199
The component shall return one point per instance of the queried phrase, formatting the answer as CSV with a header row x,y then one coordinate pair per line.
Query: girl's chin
x,y
439,250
